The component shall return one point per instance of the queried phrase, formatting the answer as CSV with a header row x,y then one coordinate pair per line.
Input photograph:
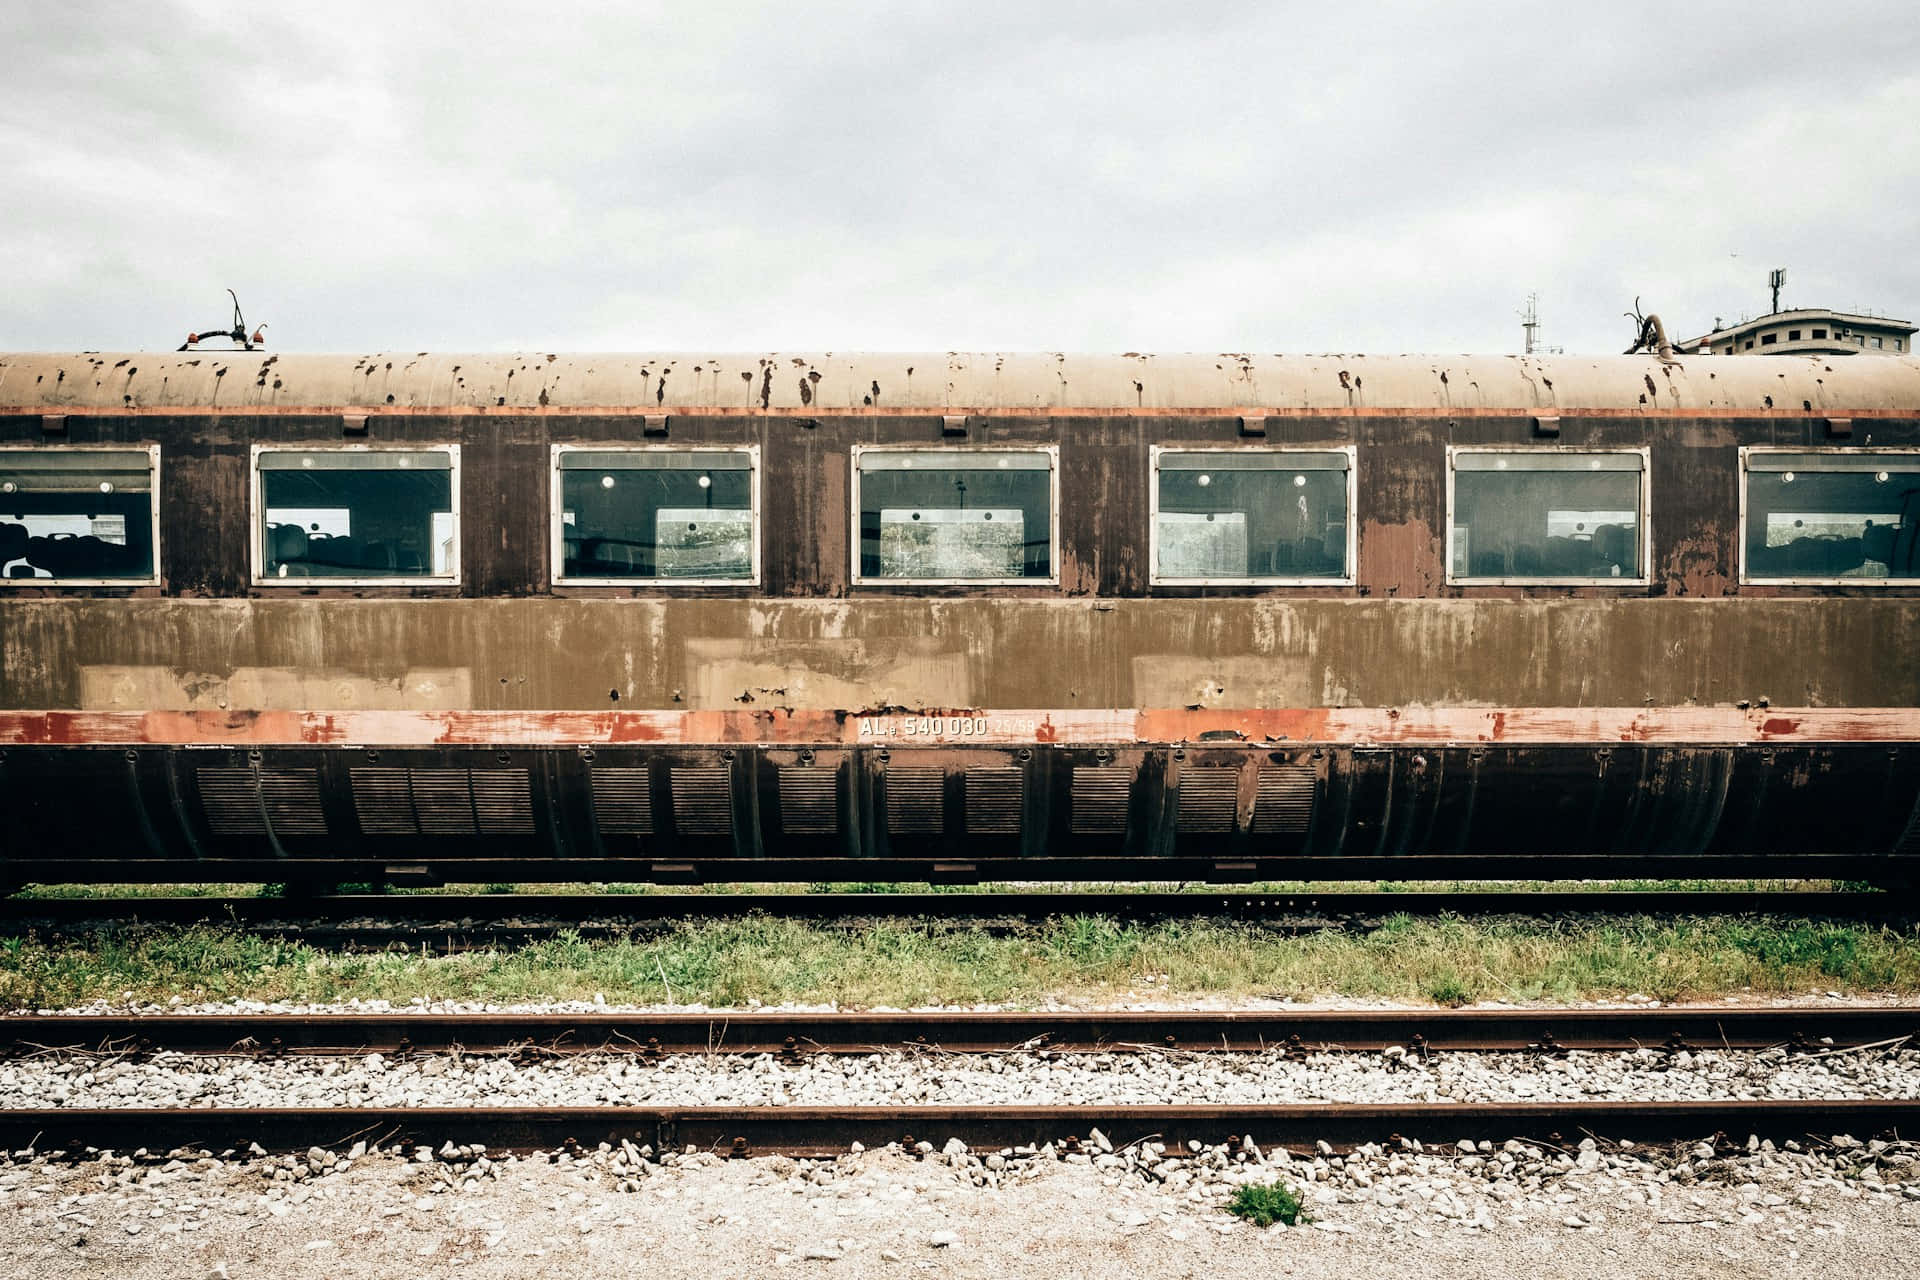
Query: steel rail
x,y
825,1131
798,1034
506,916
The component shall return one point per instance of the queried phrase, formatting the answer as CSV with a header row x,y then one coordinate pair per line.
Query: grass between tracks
x,y
1079,959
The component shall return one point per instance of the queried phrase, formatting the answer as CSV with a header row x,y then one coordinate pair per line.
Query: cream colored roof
x,y
950,382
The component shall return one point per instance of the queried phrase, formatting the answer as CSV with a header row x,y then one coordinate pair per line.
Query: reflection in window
x,y
1832,515
76,514
656,514
956,515
1546,515
1239,516
377,513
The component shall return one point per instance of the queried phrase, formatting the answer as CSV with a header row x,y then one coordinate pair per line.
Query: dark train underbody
x,y
753,812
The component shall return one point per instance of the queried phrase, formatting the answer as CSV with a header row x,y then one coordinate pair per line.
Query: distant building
x,y
1808,332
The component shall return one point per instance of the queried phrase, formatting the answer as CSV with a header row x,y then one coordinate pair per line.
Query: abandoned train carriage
x,y
765,617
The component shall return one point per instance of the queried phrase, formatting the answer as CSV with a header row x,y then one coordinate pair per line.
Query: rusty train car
x,y
815,617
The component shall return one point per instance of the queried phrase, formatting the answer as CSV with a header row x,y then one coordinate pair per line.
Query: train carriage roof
x,y
952,382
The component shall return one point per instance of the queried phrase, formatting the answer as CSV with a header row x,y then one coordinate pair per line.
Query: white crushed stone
x,y
1512,1209
907,1078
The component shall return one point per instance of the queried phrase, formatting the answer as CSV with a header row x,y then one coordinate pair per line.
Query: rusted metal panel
x,y
939,384
1309,725
914,654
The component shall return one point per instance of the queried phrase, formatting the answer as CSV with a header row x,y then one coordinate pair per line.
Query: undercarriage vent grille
x,y
232,806
1099,800
503,802
1208,800
383,803
293,801
995,798
702,801
232,800
443,802
623,801
809,801
1284,804
916,801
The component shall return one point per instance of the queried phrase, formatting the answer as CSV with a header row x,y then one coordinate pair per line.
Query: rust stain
x,y
1692,567
1544,725
1401,559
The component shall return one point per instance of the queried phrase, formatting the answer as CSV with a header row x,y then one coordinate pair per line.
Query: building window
x,y
681,514
1793,335
955,515
1539,516
357,515
1859,339
1238,516
79,516
1830,516
1749,345
1819,333
1768,339
1874,342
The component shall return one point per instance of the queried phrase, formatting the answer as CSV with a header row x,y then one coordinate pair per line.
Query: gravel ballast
x,y
1498,1209
904,1079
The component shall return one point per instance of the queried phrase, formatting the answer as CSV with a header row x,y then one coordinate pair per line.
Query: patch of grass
x,y
1450,990
901,963
1265,1203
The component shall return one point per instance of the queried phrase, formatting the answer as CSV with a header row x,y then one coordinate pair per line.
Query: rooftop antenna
x,y
1776,278
237,335
1530,325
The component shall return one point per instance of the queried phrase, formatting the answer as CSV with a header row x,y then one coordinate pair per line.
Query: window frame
x,y
1052,454
257,516
152,450
1348,578
556,554
1740,532
1645,514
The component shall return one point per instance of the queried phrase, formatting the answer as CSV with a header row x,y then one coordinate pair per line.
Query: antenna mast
x,y
1530,325
1775,279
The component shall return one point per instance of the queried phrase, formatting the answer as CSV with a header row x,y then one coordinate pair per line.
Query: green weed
x,y
1265,1203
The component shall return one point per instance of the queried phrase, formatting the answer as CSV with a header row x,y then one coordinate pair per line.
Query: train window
x,y
1226,517
1539,516
356,515
955,515
1830,516
680,514
79,515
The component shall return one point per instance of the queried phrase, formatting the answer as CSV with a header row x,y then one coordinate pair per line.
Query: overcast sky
x,y
1188,176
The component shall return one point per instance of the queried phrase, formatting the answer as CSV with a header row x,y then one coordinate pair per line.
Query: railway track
x,y
827,1131
820,1131
453,922
797,1034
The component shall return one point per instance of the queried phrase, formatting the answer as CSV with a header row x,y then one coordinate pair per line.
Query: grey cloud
x,y
1121,176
